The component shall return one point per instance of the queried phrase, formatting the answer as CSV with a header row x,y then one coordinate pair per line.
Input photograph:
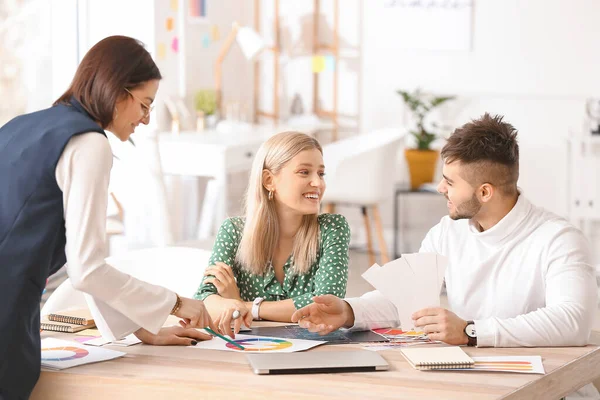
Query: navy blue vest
x,y
32,232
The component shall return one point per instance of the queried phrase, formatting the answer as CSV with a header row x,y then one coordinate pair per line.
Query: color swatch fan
x,y
412,282
61,354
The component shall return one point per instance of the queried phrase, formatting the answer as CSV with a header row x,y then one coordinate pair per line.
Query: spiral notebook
x,y
78,317
55,326
425,358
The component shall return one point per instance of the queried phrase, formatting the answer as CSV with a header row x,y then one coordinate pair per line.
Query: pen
x,y
224,338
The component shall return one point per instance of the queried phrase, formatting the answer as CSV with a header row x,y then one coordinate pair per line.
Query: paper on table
x,y
61,354
255,344
129,340
89,332
412,282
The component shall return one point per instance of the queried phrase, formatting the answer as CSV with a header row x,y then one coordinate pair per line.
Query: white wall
x,y
533,61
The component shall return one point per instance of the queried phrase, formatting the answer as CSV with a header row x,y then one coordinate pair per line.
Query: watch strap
x,y
255,308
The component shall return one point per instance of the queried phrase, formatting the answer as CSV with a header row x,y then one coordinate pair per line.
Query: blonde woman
x,y
282,253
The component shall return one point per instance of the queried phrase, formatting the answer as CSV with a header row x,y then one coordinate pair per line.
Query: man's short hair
x,y
488,148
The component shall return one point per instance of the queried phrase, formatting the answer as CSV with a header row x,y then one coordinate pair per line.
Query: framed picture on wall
x,y
197,11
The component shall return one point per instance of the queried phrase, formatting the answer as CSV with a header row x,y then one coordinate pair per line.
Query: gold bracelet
x,y
177,305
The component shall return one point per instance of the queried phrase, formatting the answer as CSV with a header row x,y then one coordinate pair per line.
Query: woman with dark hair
x,y
54,172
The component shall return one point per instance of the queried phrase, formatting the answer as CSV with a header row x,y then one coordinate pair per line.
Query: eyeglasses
x,y
147,109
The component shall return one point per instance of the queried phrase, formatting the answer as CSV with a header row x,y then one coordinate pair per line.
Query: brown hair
x,y
488,148
112,65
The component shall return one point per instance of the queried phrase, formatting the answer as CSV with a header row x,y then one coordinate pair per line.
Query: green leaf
x,y
420,104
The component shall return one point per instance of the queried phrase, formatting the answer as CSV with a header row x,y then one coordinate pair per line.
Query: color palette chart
x,y
64,353
261,344
61,354
399,338
519,364
255,344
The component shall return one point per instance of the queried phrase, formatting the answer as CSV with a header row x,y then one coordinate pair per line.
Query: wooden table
x,y
154,372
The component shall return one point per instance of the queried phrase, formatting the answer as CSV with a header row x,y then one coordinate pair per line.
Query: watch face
x,y
470,331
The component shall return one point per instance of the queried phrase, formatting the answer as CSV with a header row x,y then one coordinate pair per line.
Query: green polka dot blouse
x,y
328,275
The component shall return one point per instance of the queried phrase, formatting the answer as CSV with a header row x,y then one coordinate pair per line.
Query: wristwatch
x,y
256,307
471,333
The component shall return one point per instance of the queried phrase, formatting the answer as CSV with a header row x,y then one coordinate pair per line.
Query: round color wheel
x,y
261,344
63,353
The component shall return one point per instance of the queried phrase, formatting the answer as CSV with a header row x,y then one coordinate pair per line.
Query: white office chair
x,y
361,171
180,269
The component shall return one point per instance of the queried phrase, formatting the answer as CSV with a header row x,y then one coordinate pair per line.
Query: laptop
x,y
341,336
312,362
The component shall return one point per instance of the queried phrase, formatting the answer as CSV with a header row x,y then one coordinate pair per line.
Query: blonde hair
x,y
261,229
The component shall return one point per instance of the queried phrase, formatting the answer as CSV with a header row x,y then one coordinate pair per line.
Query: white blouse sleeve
x,y
126,303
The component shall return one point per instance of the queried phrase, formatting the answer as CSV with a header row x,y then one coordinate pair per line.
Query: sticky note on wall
x,y
318,64
175,44
330,63
214,32
174,5
169,24
161,51
205,40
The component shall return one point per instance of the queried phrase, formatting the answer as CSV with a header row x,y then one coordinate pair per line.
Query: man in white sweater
x,y
517,275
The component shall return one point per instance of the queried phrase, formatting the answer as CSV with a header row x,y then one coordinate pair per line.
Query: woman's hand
x,y
221,275
195,314
223,321
172,335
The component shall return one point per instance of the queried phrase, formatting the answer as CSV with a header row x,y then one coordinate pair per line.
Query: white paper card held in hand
x,y
412,282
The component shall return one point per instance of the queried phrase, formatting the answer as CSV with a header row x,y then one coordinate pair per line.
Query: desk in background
x,y
215,155
161,372
401,190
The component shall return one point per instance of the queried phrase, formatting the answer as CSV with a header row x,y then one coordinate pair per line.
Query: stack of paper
x,y
399,338
412,282
60,354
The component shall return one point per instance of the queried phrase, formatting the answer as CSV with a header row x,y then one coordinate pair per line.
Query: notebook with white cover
x,y
437,358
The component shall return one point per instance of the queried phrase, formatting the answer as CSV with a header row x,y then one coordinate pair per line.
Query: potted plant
x,y
205,102
422,160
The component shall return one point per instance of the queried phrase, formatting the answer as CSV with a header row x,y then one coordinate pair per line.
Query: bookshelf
x,y
337,120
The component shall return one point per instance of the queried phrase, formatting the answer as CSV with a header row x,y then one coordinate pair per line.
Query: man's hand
x,y
221,275
441,324
172,335
325,315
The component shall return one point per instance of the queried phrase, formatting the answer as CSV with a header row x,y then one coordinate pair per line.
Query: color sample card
x,y
517,364
61,354
258,344
412,282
